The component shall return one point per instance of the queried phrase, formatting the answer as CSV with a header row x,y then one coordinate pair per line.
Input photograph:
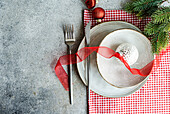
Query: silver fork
x,y
70,40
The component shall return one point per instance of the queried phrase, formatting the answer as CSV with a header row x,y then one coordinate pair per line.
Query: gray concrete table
x,y
31,39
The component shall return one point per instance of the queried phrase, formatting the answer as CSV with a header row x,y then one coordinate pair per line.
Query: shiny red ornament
x,y
98,13
90,3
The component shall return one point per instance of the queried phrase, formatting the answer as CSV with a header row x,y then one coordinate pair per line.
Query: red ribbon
x,y
83,53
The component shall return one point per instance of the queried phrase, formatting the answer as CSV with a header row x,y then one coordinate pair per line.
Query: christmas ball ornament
x,y
90,3
98,13
129,52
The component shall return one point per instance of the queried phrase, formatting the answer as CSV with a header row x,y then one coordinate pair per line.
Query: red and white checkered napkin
x,y
153,97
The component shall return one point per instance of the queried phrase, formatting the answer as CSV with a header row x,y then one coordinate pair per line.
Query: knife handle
x,y
88,82
87,74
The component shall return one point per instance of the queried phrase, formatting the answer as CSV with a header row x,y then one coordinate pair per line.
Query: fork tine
x,y
72,28
69,32
65,32
72,31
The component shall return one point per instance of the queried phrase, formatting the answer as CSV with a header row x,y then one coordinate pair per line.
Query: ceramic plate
x,y
98,84
112,70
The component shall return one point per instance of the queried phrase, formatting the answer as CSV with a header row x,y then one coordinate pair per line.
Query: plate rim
x,y
98,55
109,33
113,96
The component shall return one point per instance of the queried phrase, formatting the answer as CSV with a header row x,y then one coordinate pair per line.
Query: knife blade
x,y
87,41
87,33
87,37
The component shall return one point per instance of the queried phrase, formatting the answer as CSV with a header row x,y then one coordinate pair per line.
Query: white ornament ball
x,y
129,52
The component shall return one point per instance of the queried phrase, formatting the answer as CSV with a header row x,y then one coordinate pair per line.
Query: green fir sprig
x,y
159,27
142,8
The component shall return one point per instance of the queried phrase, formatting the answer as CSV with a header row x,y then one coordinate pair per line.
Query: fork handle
x,y
71,82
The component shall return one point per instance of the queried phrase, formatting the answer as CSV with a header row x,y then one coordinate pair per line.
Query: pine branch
x,y
151,28
159,29
142,8
161,15
154,43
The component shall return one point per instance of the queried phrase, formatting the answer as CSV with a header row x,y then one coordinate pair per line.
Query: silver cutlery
x,y
87,37
70,40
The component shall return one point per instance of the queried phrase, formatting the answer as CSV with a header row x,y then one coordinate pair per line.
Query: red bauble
x,y
98,13
90,3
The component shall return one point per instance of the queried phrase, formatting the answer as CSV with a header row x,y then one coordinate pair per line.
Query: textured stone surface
x,y
31,39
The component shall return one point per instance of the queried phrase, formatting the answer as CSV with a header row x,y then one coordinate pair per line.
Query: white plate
x,y
98,84
113,71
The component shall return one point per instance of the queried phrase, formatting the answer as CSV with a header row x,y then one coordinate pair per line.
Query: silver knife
x,y
87,37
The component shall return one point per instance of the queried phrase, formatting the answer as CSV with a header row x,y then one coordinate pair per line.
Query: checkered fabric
x,y
153,97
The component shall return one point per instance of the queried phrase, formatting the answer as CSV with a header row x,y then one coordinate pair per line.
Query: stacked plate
x,y
109,77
